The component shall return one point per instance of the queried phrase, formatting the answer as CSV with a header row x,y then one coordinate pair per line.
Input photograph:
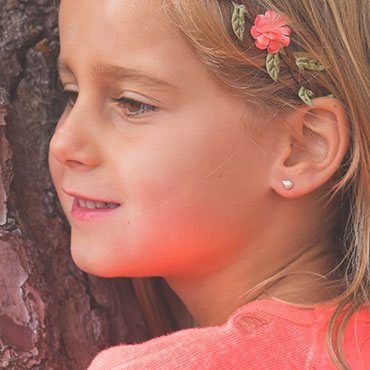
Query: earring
x,y
287,184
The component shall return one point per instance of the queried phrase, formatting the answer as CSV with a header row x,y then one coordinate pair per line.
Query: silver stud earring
x,y
287,184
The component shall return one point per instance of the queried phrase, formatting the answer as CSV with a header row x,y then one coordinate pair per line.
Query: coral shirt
x,y
260,335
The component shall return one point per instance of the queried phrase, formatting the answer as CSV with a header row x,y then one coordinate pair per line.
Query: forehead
x,y
136,33
85,15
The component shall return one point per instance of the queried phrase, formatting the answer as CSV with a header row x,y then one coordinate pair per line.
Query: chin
x,y
88,262
98,266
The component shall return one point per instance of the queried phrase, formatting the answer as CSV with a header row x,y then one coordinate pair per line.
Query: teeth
x,y
90,204
82,203
95,205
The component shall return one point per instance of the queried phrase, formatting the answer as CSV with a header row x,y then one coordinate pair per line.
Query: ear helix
x,y
287,184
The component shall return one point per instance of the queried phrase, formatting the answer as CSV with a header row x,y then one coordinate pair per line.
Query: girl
x,y
224,146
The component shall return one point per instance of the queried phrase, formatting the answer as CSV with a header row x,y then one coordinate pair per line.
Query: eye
x,y
70,98
132,108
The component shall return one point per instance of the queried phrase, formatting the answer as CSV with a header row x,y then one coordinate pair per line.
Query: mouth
x,y
87,209
91,204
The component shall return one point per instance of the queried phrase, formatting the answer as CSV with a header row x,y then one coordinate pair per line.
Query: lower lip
x,y
86,214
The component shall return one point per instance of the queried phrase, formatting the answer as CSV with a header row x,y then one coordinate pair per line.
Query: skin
x,y
201,199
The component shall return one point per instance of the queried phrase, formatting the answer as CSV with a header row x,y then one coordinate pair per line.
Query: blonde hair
x,y
337,34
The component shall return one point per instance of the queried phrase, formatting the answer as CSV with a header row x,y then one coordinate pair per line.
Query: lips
x,y
85,199
82,213
86,209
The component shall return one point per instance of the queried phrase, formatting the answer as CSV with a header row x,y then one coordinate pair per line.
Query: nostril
x,y
73,163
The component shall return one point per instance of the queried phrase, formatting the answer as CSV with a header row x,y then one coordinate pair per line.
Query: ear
x,y
313,148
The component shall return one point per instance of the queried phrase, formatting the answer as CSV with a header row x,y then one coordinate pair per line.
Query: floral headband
x,y
271,32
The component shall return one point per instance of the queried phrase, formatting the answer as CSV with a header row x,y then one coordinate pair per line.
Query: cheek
x,y
173,240
181,216
161,170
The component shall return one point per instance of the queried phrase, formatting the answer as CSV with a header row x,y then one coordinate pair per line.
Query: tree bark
x,y
52,316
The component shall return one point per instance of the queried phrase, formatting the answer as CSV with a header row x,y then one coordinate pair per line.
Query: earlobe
x,y
313,149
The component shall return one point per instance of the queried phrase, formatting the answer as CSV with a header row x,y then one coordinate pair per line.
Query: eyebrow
x,y
121,73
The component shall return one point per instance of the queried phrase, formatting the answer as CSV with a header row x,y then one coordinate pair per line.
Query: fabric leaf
x,y
306,96
273,65
238,20
308,63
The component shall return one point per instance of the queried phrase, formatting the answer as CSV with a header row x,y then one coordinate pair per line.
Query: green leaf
x,y
308,63
238,20
273,65
306,96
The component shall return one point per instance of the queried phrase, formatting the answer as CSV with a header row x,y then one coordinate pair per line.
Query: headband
x,y
271,32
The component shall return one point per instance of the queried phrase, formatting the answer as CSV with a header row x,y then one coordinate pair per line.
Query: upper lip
x,y
93,199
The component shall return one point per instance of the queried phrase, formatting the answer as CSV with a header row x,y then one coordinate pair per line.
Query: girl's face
x,y
149,129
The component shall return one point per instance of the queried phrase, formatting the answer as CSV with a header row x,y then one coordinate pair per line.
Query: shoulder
x,y
254,337
262,334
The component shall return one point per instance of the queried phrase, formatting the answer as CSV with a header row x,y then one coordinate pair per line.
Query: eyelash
x,y
143,108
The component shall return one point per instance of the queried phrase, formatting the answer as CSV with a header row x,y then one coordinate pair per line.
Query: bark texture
x,y
52,316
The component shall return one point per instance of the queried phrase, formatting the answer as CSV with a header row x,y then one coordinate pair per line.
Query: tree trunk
x,y
52,316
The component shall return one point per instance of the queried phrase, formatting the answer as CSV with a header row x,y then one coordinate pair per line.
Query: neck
x,y
213,298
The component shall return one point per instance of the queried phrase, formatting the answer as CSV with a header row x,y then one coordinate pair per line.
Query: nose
x,y
75,141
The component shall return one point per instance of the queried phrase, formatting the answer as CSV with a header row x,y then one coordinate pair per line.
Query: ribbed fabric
x,y
261,335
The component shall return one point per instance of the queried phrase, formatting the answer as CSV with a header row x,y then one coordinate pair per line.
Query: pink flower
x,y
271,32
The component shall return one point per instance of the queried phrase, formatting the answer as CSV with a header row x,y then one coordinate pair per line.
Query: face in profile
x,y
151,159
